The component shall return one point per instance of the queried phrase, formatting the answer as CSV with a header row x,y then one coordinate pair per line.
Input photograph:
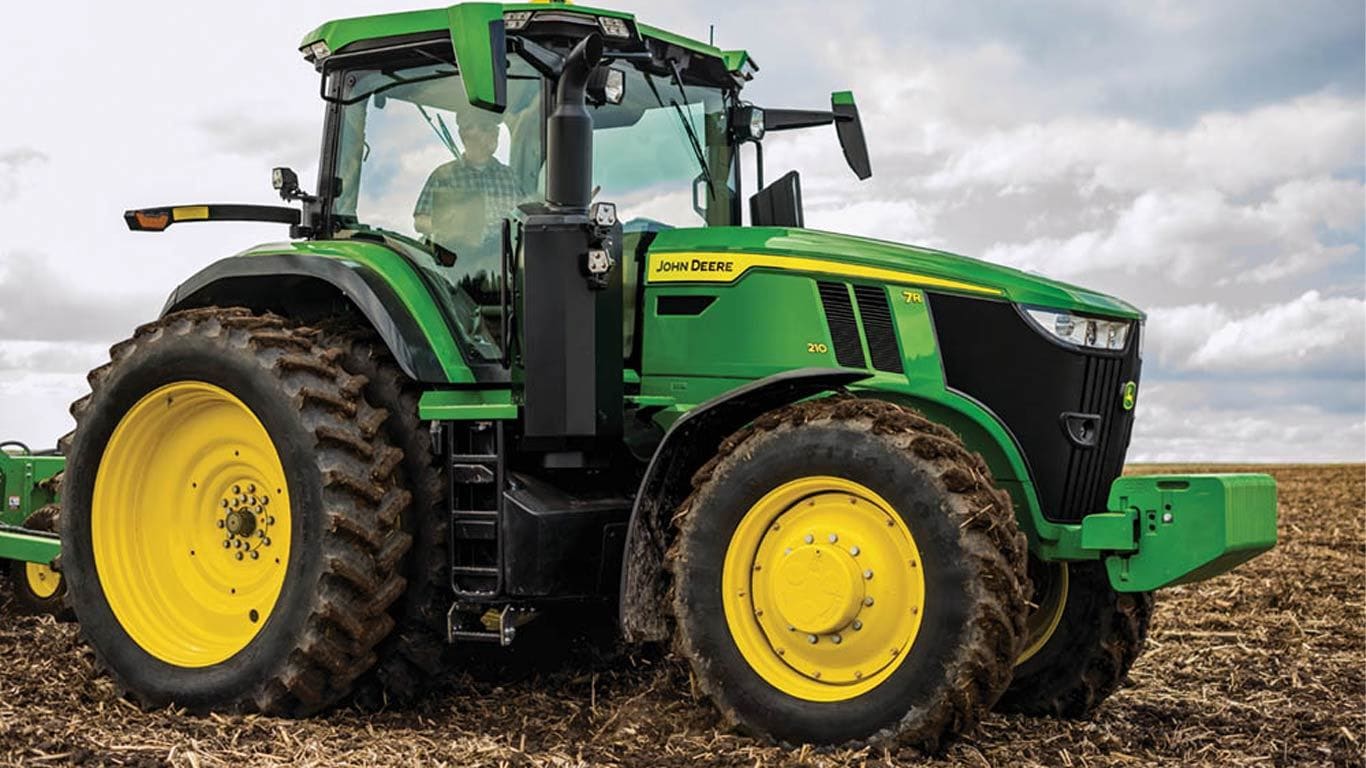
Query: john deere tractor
x,y
532,349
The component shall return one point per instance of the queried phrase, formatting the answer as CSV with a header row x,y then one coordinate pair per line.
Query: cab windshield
x,y
423,167
663,155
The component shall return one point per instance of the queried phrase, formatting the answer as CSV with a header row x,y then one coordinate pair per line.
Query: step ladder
x,y
475,473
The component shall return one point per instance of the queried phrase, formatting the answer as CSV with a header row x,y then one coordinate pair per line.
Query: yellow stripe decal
x,y
699,267
190,213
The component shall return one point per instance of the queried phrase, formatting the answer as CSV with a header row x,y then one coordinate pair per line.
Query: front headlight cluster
x,y
1089,332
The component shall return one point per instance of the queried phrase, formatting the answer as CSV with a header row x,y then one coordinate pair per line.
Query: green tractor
x,y
531,350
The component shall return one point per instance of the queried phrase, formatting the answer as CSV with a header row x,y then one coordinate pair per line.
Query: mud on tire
x,y
342,571
411,657
974,571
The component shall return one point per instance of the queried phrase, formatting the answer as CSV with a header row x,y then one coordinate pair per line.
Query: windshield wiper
x,y
439,128
687,125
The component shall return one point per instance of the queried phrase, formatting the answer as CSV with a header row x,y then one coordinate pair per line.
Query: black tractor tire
x,y
973,564
346,546
412,657
28,598
1098,637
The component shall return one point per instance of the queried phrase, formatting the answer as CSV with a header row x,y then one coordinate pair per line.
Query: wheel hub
x,y
825,588
817,589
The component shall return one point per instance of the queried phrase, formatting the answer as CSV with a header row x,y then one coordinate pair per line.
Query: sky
x,y
1205,161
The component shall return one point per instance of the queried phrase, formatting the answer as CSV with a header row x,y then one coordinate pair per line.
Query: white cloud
x,y
1311,334
1234,153
11,163
1171,426
1203,236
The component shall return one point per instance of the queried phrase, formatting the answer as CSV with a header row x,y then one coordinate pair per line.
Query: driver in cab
x,y
463,204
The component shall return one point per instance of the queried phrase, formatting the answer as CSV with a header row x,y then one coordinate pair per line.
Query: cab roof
x,y
336,35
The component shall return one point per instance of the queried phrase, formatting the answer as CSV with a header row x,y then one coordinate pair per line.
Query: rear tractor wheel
x,y
38,588
230,525
1083,637
846,573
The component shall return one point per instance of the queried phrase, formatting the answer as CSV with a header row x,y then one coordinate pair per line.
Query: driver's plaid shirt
x,y
495,180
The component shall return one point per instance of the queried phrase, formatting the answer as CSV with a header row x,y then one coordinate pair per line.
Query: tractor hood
x,y
744,248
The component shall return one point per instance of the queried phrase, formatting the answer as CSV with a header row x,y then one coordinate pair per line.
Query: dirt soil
x,y
1264,666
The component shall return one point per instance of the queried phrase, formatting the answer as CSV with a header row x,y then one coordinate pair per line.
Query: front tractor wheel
x,y
1083,637
230,531
845,572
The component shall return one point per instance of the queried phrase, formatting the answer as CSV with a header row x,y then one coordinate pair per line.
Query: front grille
x,y
876,314
839,315
992,354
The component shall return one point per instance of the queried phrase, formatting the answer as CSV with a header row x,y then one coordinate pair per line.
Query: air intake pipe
x,y
569,131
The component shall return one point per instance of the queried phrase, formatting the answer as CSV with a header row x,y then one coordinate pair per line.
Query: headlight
x,y
1089,332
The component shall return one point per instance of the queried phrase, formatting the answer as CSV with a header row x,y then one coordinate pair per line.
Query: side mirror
x,y
779,204
850,130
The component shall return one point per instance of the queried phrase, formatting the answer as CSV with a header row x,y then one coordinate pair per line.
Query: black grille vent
x,y
876,314
839,314
994,355
1088,470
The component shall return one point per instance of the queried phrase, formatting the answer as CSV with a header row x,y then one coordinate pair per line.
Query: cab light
x,y
613,27
1088,332
515,20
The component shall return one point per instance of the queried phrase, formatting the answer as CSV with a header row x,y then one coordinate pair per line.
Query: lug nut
x,y
251,488
868,600
236,490
812,639
854,551
836,639
857,625
834,538
223,503
226,544
808,538
221,523
265,542
868,574
265,500
239,555
270,520
787,551
255,554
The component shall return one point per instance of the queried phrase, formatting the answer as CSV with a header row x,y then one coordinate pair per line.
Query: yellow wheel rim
x,y
190,524
824,589
43,582
1047,613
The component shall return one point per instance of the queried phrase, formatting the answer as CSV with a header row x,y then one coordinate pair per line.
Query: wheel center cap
x,y
241,522
817,589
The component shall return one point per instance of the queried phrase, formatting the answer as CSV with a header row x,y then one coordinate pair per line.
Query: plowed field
x,y
1264,666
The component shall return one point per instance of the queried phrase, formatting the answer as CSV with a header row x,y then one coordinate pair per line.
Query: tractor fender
x,y
305,285
690,442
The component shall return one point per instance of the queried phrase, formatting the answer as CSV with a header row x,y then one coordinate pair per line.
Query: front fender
x,y
689,443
